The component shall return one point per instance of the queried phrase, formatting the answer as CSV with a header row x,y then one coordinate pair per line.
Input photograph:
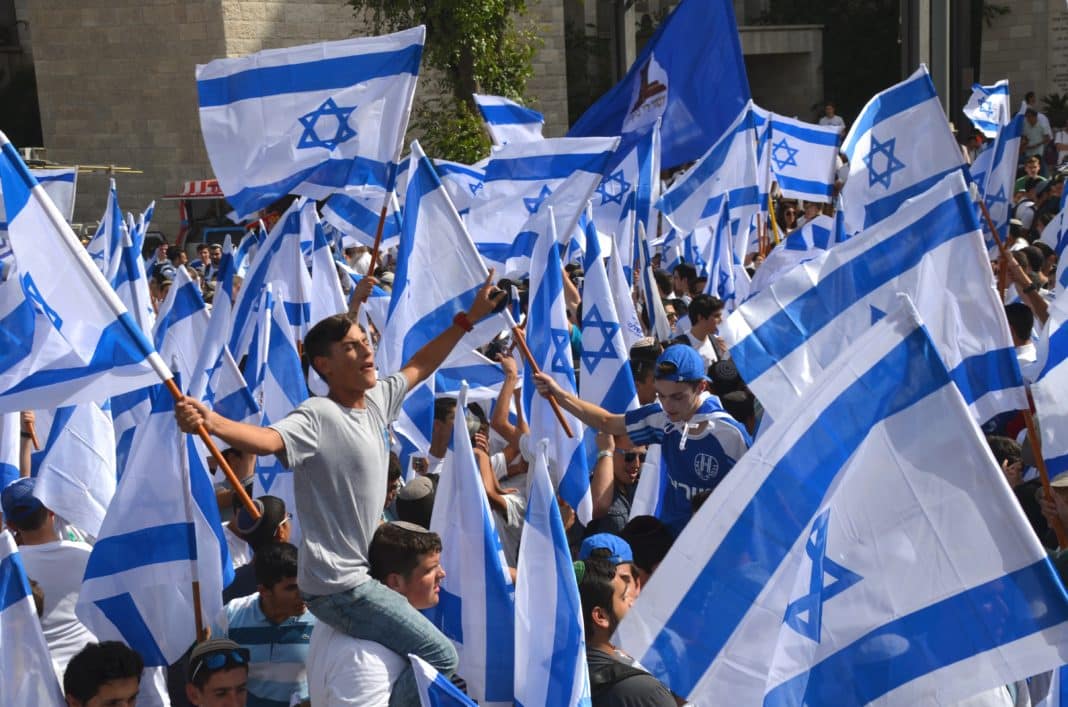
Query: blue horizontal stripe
x,y
1009,608
812,136
995,90
362,218
987,372
447,168
1057,465
780,510
14,585
141,548
322,75
803,188
122,611
889,103
837,291
437,320
68,177
878,210
331,174
510,114
710,164
476,375
546,167
521,247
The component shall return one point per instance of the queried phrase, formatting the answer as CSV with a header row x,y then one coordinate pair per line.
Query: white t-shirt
x,y
58,567
835,120
343,670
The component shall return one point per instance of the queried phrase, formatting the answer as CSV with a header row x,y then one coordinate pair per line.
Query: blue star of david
x,y
818,592
993,200
561,361
594,320
615,195
475,188
344,132
534,203
986,108
780,161
268,474
892,164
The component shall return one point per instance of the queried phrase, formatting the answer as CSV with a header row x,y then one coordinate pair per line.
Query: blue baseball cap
x,y
18,501
613,543
680,363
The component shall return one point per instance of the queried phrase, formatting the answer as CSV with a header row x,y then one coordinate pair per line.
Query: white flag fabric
x,y
507,121
26,673
899,147
550,647
857,554
798,246
309,120
477,606
999,185
64,335
161,534
1047,391
803,157
357,215
783,337
462,182
988,108
106,244
634,170
131,280
61,185
434,688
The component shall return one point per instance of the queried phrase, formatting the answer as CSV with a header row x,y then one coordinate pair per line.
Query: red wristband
x,y
462,321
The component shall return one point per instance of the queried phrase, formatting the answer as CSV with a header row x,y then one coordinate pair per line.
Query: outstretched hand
x,y
487,299
546,386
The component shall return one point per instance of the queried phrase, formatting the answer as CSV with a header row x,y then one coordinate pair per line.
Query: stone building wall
x,y
1029,47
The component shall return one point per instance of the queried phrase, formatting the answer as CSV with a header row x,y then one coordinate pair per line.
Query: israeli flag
x,y
548,335
727,278
106,244
66,336
803,158
634,169
357,215
988,108
160,535
462,182
800,245
213,339
654,306
10,447
834,572
1048,388
246,249
1000,183
61,185
131,280
75,469
27,676
481,376
630,324
522,181
507,121
549,641
784,337
477,606
435,690
884,173
606,378
309,120
729,167
279,262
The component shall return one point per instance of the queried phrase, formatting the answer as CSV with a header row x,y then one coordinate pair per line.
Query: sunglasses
x,y
217,661
631,456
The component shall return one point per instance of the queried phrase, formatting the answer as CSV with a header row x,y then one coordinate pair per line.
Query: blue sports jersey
x,y
691,462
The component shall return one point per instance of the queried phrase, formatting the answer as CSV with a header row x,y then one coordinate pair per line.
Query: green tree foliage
x,y
476,46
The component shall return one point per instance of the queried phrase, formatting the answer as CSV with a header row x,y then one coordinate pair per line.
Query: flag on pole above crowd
x,y
507,121
462,182
999,185
1048,389
899,147
27,675
695,48
67,337
106,244
784,337
803,158
800,245
61,185
633,169
988,108
309,120
919,605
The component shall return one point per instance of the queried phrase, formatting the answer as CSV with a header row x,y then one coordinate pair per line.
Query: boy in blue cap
x,y
700,441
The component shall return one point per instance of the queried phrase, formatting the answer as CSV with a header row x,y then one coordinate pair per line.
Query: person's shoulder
x,y
72,548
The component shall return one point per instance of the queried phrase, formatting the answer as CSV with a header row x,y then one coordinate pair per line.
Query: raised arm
x,y
590,414
602,482
253,439
499,420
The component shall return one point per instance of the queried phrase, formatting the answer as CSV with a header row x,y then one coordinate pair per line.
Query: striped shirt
x,y
277,652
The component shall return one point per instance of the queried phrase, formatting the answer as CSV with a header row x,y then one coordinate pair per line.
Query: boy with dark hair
x,y
273,526
107,673
217,674
274,626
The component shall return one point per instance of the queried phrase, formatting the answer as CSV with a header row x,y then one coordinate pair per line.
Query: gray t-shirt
x,y
339,457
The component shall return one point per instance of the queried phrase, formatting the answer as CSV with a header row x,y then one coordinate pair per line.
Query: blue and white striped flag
x,y
477,607
507,121
998,187
633,169
161,534
61,185
10,447
27,676
64,334
75,468
784,337
357,215
800,245
803,158
988,108
524,179
246,249
106,242
462,182
435,690
1047,390
899,147
131,281
857,554
309,120
727,278
548,335
729,167
622,297
549,641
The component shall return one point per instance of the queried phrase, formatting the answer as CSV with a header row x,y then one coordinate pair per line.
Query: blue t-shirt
x,y
690,464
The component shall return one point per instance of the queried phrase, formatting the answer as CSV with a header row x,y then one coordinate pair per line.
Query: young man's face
x,y
627,465
226,688
283,597
204,254
216,256
1031,168
422,586
679,400
350,363
113,693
